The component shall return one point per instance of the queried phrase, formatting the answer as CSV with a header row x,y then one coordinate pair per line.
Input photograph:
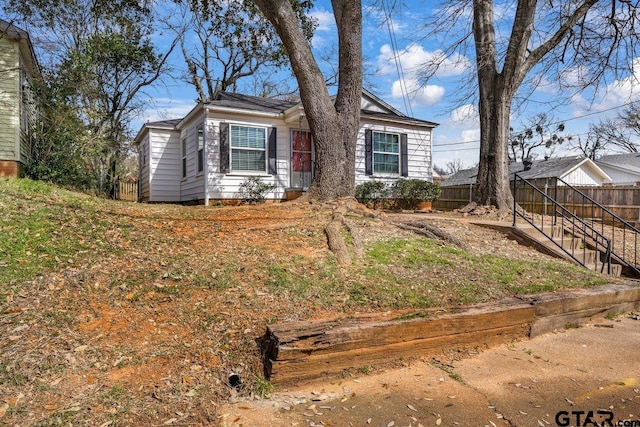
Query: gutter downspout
x,y
205,155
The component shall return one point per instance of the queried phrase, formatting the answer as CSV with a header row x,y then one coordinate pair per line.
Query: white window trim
x,y
183,157
373,153
264,172
199,165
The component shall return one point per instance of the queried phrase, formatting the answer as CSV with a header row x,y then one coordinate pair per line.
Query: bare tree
x,y
534,39
591,146
334,125
543,133
620,133
454,166
225,42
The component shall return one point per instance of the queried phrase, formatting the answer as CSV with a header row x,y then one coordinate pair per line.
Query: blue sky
x,y
395,52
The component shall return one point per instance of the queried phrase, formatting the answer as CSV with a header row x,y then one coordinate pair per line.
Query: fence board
x,y
128,190
623,201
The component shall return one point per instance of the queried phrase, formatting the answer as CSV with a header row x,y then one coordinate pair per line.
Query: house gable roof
x,y
377,110
252,103
558,167
627,162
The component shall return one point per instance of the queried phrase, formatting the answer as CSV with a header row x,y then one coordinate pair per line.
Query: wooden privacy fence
x,y
127,190
622,201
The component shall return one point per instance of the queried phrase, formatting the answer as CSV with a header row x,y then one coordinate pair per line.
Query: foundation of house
x,y
10,168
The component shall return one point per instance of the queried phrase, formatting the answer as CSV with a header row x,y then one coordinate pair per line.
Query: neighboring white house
x,y
623,169
18,112
209,153
576,171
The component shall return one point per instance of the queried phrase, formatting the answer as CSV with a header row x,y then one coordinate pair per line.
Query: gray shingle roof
x,y
253,103
621,160
550,168
172,123
396,118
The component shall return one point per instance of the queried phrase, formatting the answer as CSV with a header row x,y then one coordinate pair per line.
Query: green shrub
x,y
253,190
371,193
408,193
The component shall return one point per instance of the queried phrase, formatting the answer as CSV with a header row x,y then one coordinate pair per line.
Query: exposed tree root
x,y
339,222
355,235
335,240
430,231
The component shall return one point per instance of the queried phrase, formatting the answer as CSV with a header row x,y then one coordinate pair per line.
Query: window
x,y
184,158
248,148
200,149
386,153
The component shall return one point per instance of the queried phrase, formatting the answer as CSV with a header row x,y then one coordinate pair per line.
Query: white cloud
x,y
471,136
424,96
465,116
616,94
166,109
324,19
325,31
414,60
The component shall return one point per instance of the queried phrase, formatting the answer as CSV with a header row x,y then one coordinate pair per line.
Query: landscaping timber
x,y
302,351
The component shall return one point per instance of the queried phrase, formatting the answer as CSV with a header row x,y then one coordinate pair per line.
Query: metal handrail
x,y
598,239
617,224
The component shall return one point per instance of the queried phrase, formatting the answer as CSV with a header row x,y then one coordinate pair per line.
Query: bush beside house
x,y
402,194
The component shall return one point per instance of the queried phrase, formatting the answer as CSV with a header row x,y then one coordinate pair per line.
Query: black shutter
x,y
404,157
224,147
273,152
368,152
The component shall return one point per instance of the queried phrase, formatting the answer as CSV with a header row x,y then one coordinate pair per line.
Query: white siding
x,y
9,99
418,153
143,158
165,174
165,165
226,186
582,176
192,186
619,177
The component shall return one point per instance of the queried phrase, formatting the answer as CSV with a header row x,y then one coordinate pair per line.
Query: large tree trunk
x,y
334,126
493,170
495,95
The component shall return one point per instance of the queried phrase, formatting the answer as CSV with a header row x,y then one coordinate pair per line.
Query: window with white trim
x,y
386,153
248,148
200,148
184,157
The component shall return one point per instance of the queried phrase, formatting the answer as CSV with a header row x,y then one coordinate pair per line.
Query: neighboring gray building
x,y
577,171
623,169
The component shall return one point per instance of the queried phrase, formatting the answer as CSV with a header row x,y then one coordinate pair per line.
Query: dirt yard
x,y
146,318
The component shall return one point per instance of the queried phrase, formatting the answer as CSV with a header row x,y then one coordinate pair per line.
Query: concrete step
x,y
616,269
573,245
585,256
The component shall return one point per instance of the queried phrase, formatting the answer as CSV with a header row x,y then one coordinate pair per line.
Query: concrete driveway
x,y
576,377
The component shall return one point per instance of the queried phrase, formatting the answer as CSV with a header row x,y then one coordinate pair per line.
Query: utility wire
x,y
551,124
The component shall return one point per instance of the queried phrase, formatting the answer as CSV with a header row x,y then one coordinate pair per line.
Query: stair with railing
x,y
603,242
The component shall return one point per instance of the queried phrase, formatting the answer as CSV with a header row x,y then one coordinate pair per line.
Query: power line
x,y
555,123
395,49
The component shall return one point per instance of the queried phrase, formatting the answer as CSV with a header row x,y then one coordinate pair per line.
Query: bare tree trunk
x,y
334,126
493,170
494,108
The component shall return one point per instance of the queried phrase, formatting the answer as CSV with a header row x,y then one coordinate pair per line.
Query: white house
x,y
623,169
577,171
209,153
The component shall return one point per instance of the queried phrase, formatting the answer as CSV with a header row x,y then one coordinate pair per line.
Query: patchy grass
x,y
124,314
